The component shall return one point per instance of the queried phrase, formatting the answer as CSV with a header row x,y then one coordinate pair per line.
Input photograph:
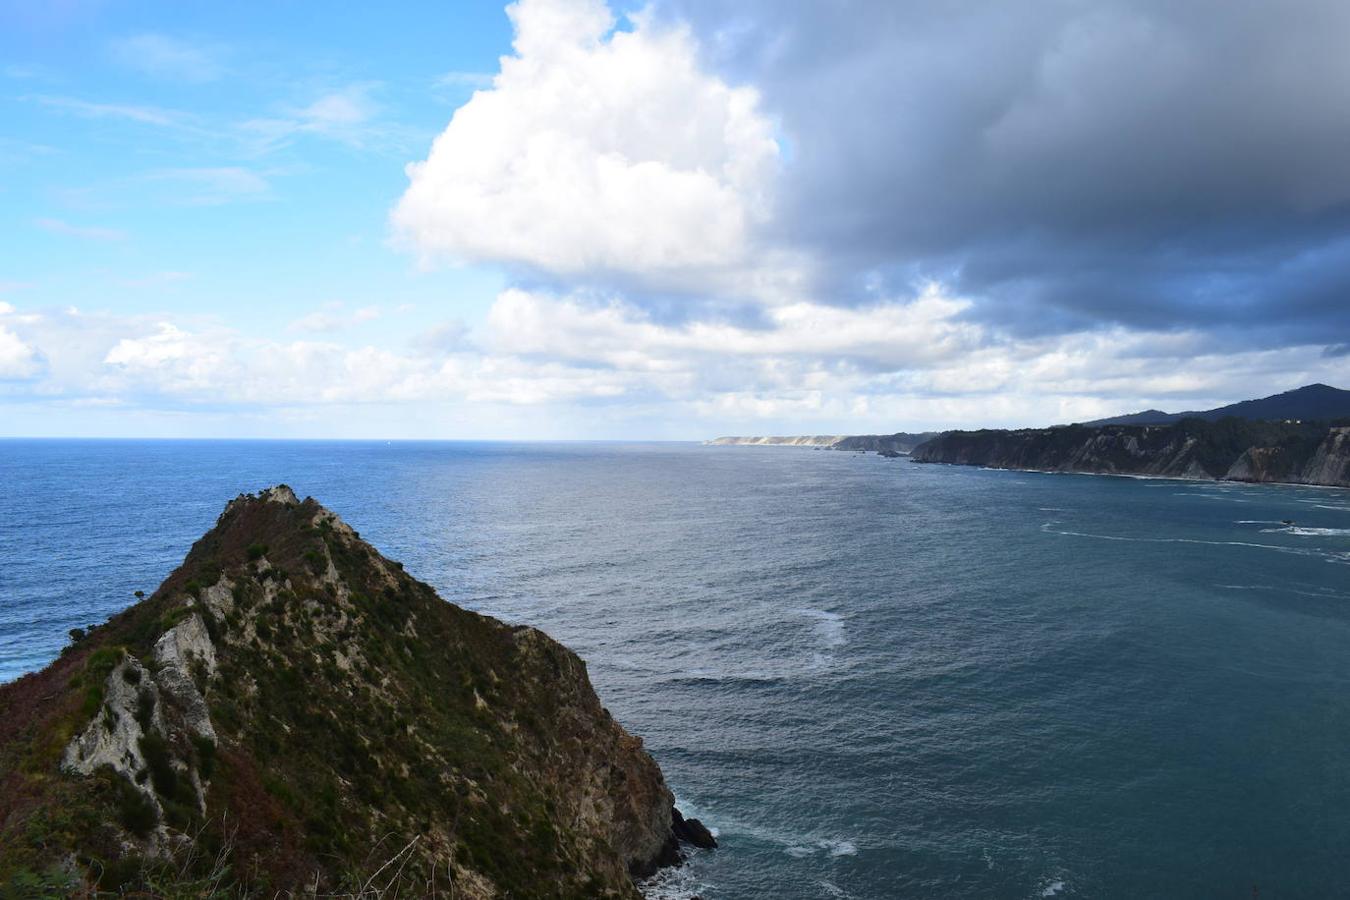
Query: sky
x,y
567,219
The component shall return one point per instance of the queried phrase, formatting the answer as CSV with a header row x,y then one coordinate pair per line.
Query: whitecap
x,y
1052,889
829,626
1297,551
674,883
841,848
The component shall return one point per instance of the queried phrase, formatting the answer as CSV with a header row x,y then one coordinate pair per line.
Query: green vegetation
x,y
357,726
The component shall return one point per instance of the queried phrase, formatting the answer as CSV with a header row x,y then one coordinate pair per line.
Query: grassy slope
x,y
352,724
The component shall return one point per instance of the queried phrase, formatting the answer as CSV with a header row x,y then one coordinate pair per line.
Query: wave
x,y
1305,531
1297,551
833,848
1285,589
675,883
829,626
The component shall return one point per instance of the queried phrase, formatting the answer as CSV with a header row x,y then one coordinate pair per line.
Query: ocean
x,y
872,678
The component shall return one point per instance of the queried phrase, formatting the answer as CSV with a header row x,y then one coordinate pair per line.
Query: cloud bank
x,y
854,216
596,151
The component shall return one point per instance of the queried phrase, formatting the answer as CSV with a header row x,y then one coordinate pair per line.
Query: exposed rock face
x,y
801,440
898,443
1230,449
692,831
294,710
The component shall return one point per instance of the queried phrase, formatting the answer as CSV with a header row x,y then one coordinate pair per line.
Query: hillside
x,y
1230,449
1313,402
291,713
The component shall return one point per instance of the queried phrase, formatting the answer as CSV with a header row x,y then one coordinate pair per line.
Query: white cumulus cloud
x,y
17,358
596,151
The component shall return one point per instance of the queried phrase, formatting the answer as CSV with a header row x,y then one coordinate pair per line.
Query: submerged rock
x,y
292,713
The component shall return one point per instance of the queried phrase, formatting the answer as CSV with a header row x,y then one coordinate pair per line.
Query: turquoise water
x,y
874,678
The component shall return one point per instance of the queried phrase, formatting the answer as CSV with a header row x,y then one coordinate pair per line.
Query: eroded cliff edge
x,y
1230,449
291,713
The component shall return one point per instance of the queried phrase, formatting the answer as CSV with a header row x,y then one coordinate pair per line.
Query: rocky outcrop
x,y
692,831
1230,449
293,709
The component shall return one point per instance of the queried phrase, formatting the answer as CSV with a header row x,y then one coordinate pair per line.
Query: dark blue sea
x,y
874,678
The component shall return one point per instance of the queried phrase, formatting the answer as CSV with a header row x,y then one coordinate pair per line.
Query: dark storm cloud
x,y
1156,164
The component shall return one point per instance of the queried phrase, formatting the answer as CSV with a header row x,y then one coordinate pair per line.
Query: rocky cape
x,y
291,713
1230,449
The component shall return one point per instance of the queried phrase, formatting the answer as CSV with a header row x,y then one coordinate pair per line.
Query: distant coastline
x,y
1228,450
900,443
806,440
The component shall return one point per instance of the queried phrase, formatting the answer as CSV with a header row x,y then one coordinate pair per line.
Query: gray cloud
x,y
1065,165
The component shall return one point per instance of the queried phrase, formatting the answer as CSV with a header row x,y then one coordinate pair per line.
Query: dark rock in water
x,y
692,831
889,453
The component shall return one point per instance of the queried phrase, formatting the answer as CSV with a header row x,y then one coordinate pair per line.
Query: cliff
x,y
1230,449
801,440
290,712
900,442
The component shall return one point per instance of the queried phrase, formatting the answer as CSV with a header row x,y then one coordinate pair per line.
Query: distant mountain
x,y
1313,402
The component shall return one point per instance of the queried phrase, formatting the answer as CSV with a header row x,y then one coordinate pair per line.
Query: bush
x,y
163,776
206,756
134,810
145,708
256,552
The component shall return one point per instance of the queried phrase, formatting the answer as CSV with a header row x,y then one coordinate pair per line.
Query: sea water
x,y
872,678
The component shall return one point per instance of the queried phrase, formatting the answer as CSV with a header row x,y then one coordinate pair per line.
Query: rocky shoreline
x,y
1227,450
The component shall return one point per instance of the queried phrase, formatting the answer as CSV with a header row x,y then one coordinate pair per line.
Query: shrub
x,y
145,707
163,776
256,552
206,756
134,810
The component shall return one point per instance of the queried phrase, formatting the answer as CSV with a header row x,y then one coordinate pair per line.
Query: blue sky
x,y
668,222
158,157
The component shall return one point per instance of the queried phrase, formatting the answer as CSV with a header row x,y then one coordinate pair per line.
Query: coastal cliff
x,y
1230,449
900,442
800,440
291,713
